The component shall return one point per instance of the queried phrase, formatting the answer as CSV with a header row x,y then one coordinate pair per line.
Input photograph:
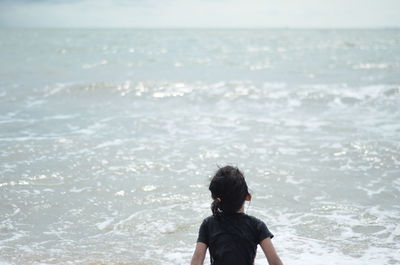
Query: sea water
x,y
108,139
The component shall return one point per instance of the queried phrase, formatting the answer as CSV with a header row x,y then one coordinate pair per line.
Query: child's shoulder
x,y
253,218
243,216
210,218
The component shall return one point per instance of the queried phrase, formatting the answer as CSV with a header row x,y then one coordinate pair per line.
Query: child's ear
x,y
248,197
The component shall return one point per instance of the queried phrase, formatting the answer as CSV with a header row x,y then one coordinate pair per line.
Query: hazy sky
x,y
200,13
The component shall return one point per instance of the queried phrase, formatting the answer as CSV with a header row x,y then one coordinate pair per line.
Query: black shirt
x,y
233,239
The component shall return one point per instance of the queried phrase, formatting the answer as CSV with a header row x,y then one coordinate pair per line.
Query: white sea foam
x,y
105,224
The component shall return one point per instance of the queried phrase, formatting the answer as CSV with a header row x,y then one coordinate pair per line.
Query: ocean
x,y
108,138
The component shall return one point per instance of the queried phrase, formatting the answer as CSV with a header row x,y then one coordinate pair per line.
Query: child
x,y
231,235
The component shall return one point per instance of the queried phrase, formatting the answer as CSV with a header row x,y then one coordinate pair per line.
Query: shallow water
x,y
108,137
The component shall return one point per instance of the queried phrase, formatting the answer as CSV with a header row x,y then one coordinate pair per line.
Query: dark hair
x,y
229,190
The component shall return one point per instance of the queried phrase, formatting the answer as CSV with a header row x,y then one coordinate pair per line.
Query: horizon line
x,y
206,28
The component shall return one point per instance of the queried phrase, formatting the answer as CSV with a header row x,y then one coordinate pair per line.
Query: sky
x,y
200,13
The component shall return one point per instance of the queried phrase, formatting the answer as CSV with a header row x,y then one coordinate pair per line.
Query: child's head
x,y
228,190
